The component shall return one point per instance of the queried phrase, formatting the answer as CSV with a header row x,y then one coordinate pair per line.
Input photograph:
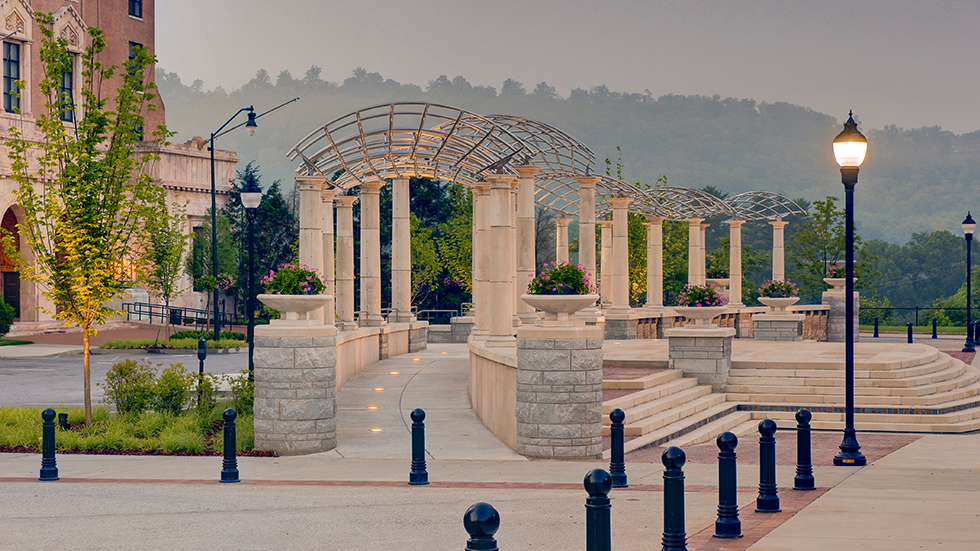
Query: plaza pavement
x,y
923,495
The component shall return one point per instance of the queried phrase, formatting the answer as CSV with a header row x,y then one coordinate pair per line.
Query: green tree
x,y
164,254
425,261
820,243
85,197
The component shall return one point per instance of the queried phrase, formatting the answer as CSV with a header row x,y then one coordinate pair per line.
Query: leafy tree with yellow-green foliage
x,y
85,197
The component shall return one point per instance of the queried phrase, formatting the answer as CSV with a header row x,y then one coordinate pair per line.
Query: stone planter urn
x,y
700,316
721,285
559,310
837,283
295,309
778,305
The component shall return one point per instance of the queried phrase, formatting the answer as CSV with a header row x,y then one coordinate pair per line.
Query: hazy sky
x,y
910,63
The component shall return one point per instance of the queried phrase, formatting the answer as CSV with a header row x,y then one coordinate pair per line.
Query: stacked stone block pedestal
x,y
837,317
295,388
559,390
704,352
778,327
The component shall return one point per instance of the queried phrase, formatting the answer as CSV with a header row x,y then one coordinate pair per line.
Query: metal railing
x,y
178,315
916,315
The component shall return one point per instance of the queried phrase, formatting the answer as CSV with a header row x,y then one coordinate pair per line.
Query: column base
x,y
501,341
371,320
347,326
402,317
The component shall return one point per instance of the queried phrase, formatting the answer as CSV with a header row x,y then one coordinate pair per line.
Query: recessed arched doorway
x,y
8,267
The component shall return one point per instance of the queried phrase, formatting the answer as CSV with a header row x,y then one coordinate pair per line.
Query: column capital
x,y
605,223
658,220
527,171
587,182
694,221
481,187
735,223
372,187
704,226
345,201
501,180
562,221
778,223
619,202
305,183
328,192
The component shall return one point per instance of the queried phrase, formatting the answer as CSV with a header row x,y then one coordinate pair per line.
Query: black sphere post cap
x,y
617,416
598,483
767,427
673,458
418,415
481,520
48,415
229,415
202,349
803,417
727,441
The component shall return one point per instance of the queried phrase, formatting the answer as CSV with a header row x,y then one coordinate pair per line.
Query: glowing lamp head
x,y
251,195
850,146
251,125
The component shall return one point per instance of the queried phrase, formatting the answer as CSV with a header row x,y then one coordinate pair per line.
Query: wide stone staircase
x,y
913,389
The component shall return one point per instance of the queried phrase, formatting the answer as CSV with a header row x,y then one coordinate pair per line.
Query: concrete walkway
x,y
922,496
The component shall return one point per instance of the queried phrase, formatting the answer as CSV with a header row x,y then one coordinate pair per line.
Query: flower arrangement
x,y
717,272
700,295
294,279
561,278
225,282
779,289
836,271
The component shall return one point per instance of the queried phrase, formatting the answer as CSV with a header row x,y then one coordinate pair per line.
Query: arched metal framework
x,y
427,140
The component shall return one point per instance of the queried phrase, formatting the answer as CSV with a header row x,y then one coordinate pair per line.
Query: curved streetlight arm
x,y
239,125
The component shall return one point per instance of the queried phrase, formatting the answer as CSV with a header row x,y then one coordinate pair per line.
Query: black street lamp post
x,y
251,197
250,125
850,149
969,226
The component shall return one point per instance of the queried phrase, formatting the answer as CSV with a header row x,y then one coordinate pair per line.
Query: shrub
x,y
207,392
225,335
243,391
6,318
173,389
836,271
700,295
561,278
130,386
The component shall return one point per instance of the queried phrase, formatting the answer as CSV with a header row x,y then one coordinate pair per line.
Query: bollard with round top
x,y
728,525
49,467
617,463
418,475
229,465
934,335
63,421
768,500
876,327
481,522
598,525
675,536
910,333
804,468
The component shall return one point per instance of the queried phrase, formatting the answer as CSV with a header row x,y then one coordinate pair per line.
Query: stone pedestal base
x,y
370,320
346,325
778,327
461,328
401,317
836,317
559,392
621,325
295,388
703,353
418,336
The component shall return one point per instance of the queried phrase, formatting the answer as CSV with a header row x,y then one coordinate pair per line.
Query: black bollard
x,y
910,333
481,521
49,466
418,476
229,466
768,501
876,327
804,468
63,421
675,537
598,525
727,525
617,464
202,354
934,335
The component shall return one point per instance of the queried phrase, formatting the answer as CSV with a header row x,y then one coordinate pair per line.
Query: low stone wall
x,y
493,389
814,322
364,346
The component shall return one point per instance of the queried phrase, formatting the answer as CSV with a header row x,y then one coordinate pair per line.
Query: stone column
x,y
326,209
778,250
735,263
481,259
620,255
525,238
703,251
694,275
345,263
401,253
561,238
586,232
295,387
514,287
606,265
559,389
370,256
500,271
310,229
655,263
704,352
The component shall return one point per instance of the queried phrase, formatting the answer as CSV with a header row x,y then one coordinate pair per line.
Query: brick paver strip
x,y
966,357
626,373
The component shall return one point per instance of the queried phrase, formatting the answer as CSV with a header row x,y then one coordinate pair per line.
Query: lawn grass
x,y
5,342
128,344
915,329
189,433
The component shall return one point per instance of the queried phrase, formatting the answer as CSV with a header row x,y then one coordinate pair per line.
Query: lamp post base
x,y
850,451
